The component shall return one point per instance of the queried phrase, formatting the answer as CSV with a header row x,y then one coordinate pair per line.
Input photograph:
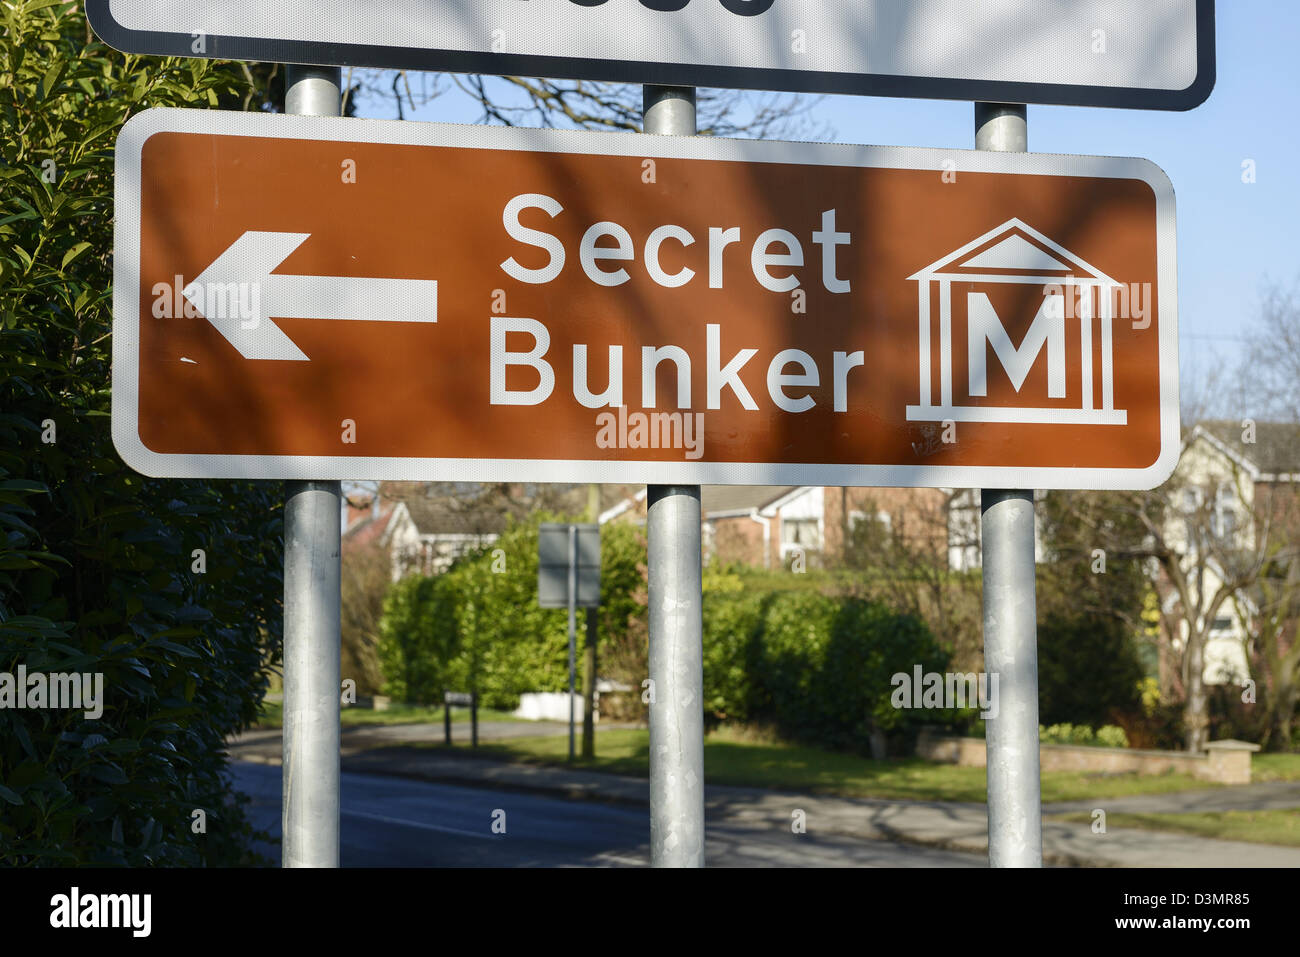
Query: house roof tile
x,y
467,508
734,498
1276,447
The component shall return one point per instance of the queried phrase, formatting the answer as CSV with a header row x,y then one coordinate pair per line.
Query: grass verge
x,y
1275,767
272,715
1258,827
737,759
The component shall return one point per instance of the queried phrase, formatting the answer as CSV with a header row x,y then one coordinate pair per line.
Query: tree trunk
x,y
589,688
1283,715
878,742
844,526
1195,719
589,652
1167,662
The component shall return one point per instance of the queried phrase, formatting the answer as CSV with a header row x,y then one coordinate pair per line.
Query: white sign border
x,y
126,299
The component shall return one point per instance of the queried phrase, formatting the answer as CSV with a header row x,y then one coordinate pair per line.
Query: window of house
x,y
803,532
1221,624
1225,523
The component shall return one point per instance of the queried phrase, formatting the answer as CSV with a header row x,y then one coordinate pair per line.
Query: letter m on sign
x,y
1048,328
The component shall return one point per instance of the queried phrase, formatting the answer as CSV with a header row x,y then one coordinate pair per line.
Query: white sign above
x,y
1147,54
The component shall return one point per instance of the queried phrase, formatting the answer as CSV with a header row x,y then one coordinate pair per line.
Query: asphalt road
x,y
395,822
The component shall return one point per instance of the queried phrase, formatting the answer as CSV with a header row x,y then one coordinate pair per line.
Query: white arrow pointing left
x,y
238,294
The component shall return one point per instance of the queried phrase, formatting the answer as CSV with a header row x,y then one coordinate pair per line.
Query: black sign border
x,y
154,43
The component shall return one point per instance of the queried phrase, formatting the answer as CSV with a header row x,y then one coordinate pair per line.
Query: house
x,y
1235,492
365,519
779,526
761,525
422,534
1233,477
802,526
964,530
425,526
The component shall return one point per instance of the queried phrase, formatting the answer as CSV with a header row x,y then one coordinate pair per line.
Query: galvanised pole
x,y
676,625
1010,622
573,639
310,816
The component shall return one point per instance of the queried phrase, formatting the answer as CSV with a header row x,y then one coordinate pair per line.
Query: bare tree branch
x,y
587,105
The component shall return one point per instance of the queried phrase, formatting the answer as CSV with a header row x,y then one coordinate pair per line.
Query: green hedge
x,y
1088,670
1107,736
417,640
478,626
816,667
96,562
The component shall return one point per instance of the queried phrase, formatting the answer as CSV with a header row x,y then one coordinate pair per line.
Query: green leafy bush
x,y
417,640
1111,736
732,642
1065,734
816,667
1107,736
478,626
1088,669
97,564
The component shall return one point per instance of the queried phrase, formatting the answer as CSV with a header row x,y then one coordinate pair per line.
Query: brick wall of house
x,y
1278,503
917,514
740,539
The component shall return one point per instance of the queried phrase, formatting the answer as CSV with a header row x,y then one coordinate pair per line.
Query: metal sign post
x,y
676,622
568,576
465,699
312,594
1010,621
573,601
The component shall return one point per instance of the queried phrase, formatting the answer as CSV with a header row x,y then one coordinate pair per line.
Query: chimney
x,y
361,505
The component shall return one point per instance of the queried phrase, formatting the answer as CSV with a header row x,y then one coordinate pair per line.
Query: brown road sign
x,y
303,297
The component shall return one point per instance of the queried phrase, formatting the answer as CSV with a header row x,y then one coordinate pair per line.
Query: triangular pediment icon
x,y
1017,248
1014,252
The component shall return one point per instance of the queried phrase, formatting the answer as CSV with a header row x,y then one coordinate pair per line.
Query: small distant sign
x,y
459,698
553,550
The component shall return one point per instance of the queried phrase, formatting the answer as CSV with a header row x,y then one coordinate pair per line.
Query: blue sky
x,y
1233,237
